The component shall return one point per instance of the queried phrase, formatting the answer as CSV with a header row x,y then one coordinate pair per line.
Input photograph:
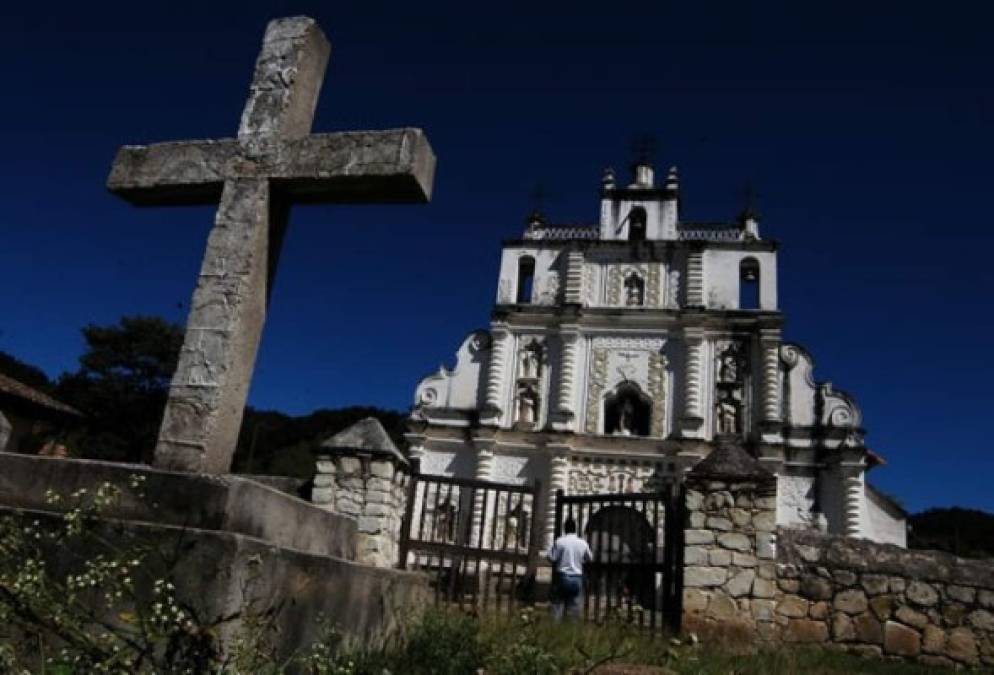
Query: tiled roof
x,y
12,387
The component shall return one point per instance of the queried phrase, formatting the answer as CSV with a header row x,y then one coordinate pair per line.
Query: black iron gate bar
x,y
470,545
612,582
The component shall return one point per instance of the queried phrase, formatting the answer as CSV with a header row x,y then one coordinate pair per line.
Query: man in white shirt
x,y
567,556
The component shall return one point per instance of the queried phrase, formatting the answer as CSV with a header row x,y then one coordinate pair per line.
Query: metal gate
x,y
478,539
637,543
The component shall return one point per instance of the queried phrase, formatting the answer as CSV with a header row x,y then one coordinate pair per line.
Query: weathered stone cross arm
x,y
395,165
273,163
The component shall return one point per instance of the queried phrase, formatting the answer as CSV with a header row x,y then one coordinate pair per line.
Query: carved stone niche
x,y
528,384
731,367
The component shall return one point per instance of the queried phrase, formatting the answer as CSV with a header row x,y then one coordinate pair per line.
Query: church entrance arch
x,y
637,543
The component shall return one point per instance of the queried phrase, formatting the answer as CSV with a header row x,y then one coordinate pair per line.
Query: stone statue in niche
x,y
527,405
626,418
634,291
530,362
728,415
728,364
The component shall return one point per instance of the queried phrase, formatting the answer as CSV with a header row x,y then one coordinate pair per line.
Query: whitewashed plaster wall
x,y
721,278
462,387
546,282
882,524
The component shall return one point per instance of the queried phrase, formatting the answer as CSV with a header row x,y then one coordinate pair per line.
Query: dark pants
x,y
567,592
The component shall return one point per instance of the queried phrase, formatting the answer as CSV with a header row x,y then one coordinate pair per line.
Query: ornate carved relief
x,y
591,285
673,288
595,390
613,286
657,392
531,364
601,476
652,286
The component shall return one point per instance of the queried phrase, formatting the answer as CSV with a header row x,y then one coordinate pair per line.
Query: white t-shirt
x,y
568,554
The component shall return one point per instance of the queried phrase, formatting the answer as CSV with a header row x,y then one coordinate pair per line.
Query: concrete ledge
x,y
231,504
219,573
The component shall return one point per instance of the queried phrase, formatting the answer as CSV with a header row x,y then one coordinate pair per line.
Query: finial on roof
x,y
607,180
672,180
749,215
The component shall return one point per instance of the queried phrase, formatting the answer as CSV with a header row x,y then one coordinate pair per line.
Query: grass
x,y
453,643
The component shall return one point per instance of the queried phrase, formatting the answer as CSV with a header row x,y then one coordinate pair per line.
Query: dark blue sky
x,y
867,129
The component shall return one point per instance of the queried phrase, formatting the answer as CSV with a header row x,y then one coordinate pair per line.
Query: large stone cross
x,y
275,161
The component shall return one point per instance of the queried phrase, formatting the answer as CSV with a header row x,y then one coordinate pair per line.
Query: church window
x,y
526,279
636,224
634,290
627,412
749,284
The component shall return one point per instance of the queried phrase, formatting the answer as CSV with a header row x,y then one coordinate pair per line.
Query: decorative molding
x,y
613,294
652,285
673,288
495,378
591,285
567,366
595,389
771,380
695,279
548,294
505,292
617,342
657,392
574,277
695,372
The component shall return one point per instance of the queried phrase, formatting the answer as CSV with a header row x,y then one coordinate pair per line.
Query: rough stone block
x,y
349,466
763,610
766,570
842,628
719,557
743,559
933,640
722,607
695,555
743,501
922,594
765,521
851,602
882,606
908,616
370,524
768,503
324,465
789,585
381,469
954,613
897,585
740,517
697,519
793,606
719,523
763,588
698,537
805,631
986,599
844,578
322,496
815,588
901,640
695,600
819,610
868,629
695,576
740,584
874,584
961,645
735,541
809,554
981,619
694,499
961,593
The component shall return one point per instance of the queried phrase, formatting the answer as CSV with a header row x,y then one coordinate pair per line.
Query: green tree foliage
x,y
24,372
121,386
964,532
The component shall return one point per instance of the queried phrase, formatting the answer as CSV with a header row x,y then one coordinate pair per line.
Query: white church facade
x,y
620,355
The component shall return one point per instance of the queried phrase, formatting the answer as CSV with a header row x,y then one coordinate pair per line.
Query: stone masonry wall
x,y
798,586
729,567
372,489
885,600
